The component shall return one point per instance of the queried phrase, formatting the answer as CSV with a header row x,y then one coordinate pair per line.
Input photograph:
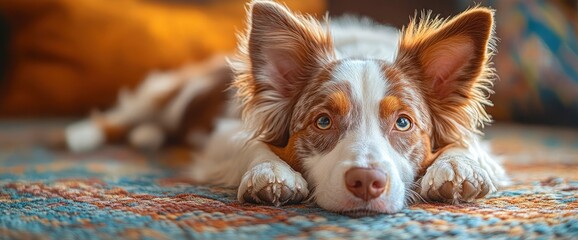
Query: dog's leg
x,y
270,180
233,159
462,175
162,106
133,108
147,136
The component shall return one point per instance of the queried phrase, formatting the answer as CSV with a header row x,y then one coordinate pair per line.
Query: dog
x,y
357,117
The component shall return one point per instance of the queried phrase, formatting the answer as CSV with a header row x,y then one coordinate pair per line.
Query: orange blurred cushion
x,y
69,56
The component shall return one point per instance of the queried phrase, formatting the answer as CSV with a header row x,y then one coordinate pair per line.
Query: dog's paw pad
x,y
270,183
455,180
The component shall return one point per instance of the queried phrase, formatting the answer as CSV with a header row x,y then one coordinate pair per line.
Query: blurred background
x,y
64,58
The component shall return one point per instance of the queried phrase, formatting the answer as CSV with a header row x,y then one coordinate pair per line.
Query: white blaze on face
x,y
364,145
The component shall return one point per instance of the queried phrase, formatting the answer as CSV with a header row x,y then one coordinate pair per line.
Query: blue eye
x,y
323,122
403,123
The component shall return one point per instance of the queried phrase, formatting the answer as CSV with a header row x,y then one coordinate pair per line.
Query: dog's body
x,y
352,115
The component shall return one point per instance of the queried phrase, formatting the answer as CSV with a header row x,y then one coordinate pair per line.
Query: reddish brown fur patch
x,y
112,132
431,157
428,156
391,73
289,153
340,102
305,143
389,105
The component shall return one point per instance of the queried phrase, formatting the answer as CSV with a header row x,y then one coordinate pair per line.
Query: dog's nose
x,y
365,183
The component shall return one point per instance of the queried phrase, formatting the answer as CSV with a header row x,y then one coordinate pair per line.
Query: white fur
x,y
364,146
362,38
85,135
147,136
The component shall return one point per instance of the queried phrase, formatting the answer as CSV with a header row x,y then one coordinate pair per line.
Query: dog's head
x,y
361,130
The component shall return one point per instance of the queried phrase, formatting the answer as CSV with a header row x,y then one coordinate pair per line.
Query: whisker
x,y
414,196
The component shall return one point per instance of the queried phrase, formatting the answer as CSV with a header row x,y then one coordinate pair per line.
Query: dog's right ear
x,y
450,60
279,54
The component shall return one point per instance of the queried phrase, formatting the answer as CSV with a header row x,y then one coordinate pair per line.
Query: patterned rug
x,y
121,193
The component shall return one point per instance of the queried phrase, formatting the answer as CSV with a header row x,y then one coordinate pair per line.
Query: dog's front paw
x,y
272,183
455,178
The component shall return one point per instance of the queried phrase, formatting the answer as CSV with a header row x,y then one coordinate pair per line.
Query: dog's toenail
x,y
433,194
266,195
468,190
447,190
484,192
297,198
286,194
248,198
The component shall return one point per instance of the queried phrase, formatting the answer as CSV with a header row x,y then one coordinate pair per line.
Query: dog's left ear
x,y
450,60
279,55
